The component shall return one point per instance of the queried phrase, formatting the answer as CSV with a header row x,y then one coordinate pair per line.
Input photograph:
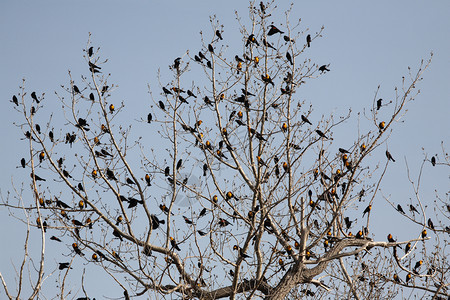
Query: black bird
x,y
161,105
379,103
389,156
179,163
76,90
166,91
187,220
205,168
324,68
232,115
210,48
61,204
90,51
413,209
219,35
201,233
247,93
166,171
321,134
176,63
240,123
268,45
289,58
308,40
400,209
197,59
430,224
200,54
54,238
91,97
174,244
202,212
348,223
208,64
77,223
156,222
80,187
94,68
22,162
305,119
191,94
287,39
273,30
223,222
105,153
63,266
433,161
238,59
149,118
262,7
37,178
182,99
33,95
133,202
15,100
342,150
50,135
130,181
117,234
110,174
104,89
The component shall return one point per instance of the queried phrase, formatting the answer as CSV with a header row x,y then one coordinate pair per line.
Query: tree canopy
x,y
234,190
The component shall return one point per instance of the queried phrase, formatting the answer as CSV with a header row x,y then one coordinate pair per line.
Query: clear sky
x,y
366,43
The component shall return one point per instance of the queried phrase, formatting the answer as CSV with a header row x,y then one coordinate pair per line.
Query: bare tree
x,y
242,195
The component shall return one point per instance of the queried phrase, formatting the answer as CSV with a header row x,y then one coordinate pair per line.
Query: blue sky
x,y
366,43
